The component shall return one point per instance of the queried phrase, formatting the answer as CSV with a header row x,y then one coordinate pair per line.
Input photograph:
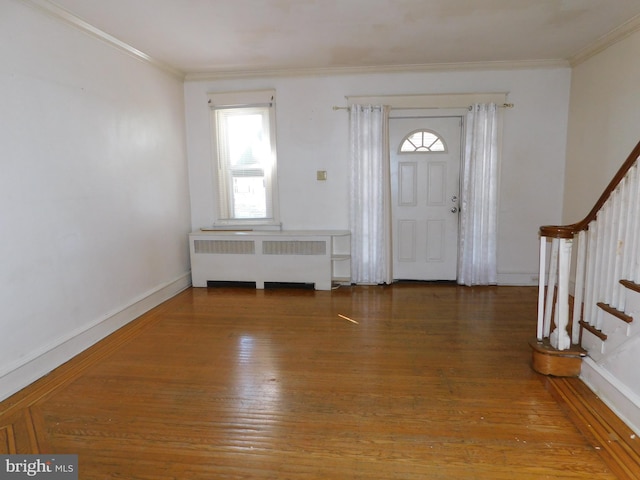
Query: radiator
x,y
320,257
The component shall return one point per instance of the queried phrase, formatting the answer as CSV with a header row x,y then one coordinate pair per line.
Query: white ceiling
x,y
225,36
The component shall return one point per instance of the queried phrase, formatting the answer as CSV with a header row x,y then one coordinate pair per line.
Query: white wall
x,y
311,136
603,129
94,203
603,123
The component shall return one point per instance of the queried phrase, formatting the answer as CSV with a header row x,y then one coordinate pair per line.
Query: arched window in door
x,y
421,141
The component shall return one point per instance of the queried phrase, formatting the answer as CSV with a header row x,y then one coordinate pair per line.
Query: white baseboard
x,y
612,392
16,376
518,279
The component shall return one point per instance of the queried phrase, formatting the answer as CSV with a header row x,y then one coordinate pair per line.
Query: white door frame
x,y
459,113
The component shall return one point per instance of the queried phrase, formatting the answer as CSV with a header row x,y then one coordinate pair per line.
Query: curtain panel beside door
x,y
370,194
477,264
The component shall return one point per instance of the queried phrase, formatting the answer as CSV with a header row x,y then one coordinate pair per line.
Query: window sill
x,y
240,225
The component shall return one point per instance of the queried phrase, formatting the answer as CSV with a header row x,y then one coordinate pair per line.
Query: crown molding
x,y
69,18
614,36
322,71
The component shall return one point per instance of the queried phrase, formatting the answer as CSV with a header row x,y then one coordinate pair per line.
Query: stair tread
x,y
631,285
615,312
598,333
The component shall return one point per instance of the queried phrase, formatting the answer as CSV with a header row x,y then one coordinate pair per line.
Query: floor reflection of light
x,y
258,394
245,349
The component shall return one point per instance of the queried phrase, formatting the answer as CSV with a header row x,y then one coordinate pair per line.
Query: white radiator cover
x,y
320,257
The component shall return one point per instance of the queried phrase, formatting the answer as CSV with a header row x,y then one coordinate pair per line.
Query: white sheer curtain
x,y
479,198
370,198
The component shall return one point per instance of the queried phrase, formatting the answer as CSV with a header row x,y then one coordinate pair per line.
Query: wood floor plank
x,y
432,382
18,433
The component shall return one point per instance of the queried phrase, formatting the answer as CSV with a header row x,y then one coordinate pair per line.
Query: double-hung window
x,y
244,141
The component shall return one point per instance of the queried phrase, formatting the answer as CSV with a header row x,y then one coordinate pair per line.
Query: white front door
x,y
425,190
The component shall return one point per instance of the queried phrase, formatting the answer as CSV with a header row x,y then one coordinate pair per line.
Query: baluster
x,y
589,301
634,259
630,212
617,298
541,285
597,273
551,285
610,246
579,291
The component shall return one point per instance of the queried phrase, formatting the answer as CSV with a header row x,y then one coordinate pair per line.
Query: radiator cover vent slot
x,y
242,247
294,247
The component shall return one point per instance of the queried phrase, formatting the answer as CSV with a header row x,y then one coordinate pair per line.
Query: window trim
x,y
244,99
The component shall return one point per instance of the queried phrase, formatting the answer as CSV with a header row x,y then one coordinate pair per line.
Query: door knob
x,y
454,209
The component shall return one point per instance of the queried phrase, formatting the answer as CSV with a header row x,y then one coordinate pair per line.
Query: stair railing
x,y
608,244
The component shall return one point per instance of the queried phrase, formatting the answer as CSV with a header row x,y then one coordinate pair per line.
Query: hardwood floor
x,y
432,382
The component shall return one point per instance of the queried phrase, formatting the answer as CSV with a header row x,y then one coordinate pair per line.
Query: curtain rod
x,y
244,105
347,108
504,105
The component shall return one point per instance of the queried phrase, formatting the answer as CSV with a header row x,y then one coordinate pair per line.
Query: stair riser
x,y
593,345
617,332
622,363
632,303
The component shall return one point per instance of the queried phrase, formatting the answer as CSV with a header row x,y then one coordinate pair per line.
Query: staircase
x,y
616,326
589,295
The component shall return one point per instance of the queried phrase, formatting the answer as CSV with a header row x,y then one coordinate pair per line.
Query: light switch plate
x,y
321,175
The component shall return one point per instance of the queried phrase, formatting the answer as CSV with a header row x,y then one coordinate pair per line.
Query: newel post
x,y
553,353
560,338
553,289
